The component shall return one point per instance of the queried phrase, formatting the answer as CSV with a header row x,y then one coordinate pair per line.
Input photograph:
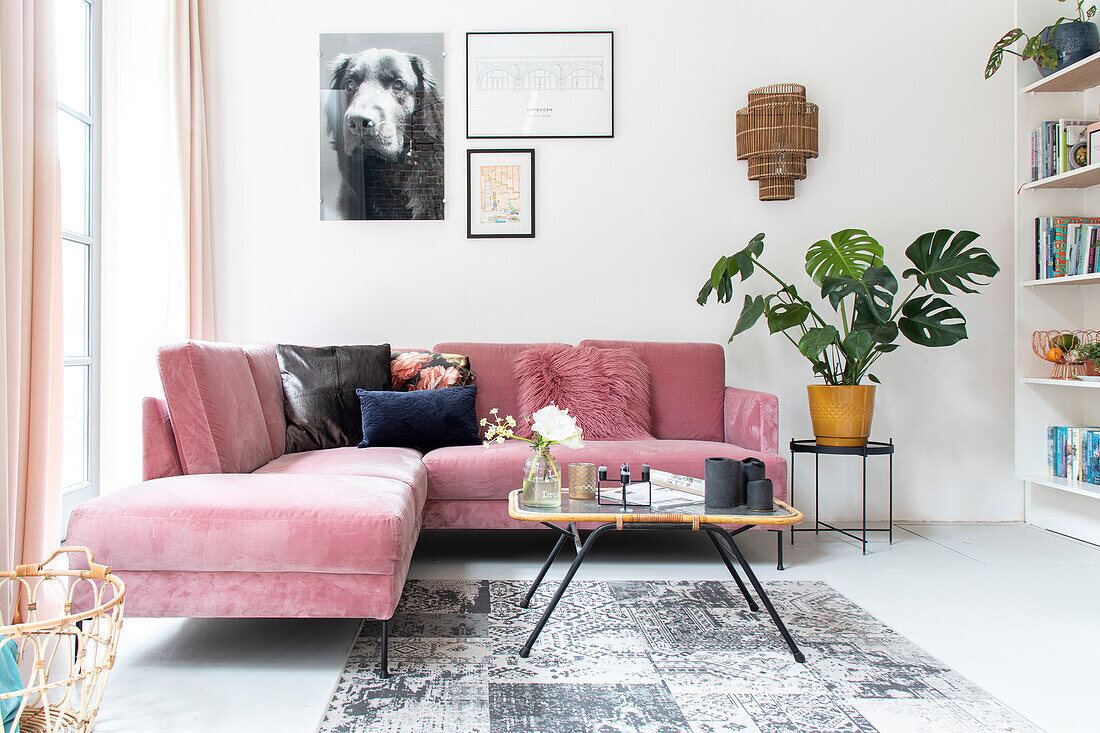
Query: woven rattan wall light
x,y
776,133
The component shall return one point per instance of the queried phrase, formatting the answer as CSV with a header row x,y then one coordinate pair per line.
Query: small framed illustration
x,y
500,193
539,84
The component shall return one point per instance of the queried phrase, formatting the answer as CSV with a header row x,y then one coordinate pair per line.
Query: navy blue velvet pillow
x,y
424,418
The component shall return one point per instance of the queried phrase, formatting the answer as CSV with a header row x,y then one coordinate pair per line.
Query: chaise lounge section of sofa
x,y
226,524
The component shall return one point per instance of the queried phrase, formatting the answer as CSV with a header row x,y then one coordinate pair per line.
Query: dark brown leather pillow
x,y
319,399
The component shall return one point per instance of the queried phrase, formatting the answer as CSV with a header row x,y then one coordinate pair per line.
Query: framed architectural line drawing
x,y
535,84
500,193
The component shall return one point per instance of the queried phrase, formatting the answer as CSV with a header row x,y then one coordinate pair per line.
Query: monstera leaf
x,y
874,291
724,270
848,252
944,262
750,314
932,321
815,340
782,316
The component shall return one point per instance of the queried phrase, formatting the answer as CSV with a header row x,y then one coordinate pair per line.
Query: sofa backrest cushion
x,y
492,365
264,366
688,387
214,406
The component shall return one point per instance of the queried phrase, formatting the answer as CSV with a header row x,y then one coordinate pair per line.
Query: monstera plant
x,y
870,318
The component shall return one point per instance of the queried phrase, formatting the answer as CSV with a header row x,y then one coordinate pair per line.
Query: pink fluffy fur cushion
x,y
605,390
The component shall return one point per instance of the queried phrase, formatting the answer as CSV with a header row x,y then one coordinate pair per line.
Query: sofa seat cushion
x,y
477,472
254,523
401,464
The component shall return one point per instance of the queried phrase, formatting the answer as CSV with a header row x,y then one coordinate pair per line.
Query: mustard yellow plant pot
x,y
841,416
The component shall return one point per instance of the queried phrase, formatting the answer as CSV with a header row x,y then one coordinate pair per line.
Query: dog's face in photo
x,y
381,91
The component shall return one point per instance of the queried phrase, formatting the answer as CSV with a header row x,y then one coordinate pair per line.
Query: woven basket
x,y
1041,342
69,657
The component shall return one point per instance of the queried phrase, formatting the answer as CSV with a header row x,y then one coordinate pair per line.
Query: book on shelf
x,y
1051,145
1066,245
1073,452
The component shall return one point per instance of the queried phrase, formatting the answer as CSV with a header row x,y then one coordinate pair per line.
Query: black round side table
x,y
872,448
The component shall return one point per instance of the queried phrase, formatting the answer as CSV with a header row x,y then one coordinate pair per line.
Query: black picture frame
x,y
611,77
470,153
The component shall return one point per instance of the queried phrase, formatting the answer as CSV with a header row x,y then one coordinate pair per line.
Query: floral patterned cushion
x,y
413,370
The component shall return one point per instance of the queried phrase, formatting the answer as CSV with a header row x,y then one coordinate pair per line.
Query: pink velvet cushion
x,y
476,472
159,455
254,523
496,381
215,410
688,386
605,390
264,365
402,464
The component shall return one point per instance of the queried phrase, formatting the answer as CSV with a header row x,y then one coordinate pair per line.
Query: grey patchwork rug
x,y
650,657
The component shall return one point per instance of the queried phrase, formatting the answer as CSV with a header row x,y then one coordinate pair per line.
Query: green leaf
x,y
1048,57
1091,12
756,245
873,378
886,348
742,261
750,314
782,316
1032,46
994,63
881,333
847,252
1008,39
704,293
944,262
856,344
814,341
719,271
932,321
874,292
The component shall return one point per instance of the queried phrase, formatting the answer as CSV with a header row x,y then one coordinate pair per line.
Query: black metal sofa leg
x,y
384,672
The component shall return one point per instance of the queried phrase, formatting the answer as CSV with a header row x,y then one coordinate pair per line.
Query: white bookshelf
x,y
1064,383
1062,505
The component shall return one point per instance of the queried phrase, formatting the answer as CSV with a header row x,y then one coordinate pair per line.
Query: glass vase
x,y
542,480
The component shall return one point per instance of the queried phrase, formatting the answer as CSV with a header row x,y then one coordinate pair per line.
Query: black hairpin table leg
x,y
798,655
733,571
585,549
562,539
384,671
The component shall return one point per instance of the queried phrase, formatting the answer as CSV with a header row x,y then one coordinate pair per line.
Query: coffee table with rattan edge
x,y
615,517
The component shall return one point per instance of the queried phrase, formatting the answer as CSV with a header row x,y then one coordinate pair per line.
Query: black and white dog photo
x,y
382,131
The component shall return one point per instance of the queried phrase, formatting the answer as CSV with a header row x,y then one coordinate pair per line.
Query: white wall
x,y
912,139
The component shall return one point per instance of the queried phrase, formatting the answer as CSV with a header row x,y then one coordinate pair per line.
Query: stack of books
x,y
1074,453
1066,245
1051,144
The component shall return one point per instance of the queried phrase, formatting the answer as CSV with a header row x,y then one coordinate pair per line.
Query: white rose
x,y
555,424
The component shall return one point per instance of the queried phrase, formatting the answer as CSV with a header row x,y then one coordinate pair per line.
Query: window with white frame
x,y
78,112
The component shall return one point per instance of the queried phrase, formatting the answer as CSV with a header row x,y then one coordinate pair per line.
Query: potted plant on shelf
x,y
1056,46
850,272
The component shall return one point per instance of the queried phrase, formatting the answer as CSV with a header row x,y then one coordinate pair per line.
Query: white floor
x,y
1014,608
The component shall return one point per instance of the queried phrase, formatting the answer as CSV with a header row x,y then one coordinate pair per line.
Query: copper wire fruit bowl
x,y
1043,341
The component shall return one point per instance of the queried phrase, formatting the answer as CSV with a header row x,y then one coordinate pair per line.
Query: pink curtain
x,y
185,64
30,333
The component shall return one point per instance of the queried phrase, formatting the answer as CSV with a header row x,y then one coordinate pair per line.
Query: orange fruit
x,y
1055,354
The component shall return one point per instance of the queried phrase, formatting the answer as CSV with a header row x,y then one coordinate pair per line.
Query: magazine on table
x,y
669,490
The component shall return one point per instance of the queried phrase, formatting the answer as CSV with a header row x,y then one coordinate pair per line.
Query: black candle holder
x,y
623,480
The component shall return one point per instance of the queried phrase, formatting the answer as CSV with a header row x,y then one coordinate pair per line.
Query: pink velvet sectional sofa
x,y
226,524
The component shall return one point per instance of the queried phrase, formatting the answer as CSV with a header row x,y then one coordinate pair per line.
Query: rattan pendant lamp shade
x,y
776,133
